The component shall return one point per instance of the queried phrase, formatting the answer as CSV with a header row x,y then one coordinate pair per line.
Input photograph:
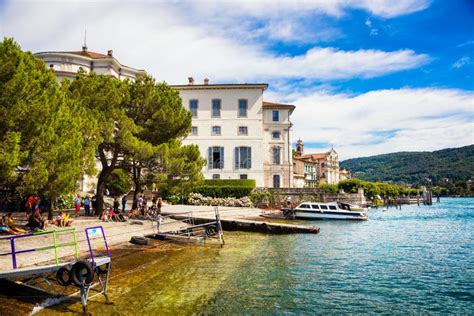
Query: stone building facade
x,y
240,135
67,64
317,168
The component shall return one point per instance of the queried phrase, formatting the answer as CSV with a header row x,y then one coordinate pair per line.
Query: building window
x,y
243,130
275,116
276,135
193,107
216,108
194,130
243,108
216,176
243,177
216,130
243,157
215,157
276,155
276,181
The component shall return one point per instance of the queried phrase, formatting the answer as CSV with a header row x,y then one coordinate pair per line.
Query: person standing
x,y
94,204
159,203
87,206
116,205
77,205
158,221
124,203
29,205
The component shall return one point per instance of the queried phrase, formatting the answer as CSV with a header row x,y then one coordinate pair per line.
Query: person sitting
x,y
10,222
120,217
63,219
35,222
59,220
135,214
106,216
5,229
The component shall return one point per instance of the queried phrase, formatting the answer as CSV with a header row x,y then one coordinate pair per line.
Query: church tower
x,y
299,148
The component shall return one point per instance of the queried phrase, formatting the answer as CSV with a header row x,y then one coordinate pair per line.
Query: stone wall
x,y
279,197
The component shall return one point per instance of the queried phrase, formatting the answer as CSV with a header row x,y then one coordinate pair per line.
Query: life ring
x,y
82,273
139,240
101,270
63,276
211,230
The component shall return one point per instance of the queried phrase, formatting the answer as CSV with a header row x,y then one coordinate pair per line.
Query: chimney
x,y
110,53
206,81
190,81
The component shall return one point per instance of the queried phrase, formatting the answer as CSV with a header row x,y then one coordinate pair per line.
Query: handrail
x,y
91,231
55,246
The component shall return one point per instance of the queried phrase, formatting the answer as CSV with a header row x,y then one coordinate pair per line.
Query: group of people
x,y
63,219
90,205
35,220
7,225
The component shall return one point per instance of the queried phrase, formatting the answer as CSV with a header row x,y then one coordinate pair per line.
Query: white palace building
x,y
240,135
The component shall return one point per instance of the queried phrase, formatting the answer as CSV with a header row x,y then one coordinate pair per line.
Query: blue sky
x,y
366,76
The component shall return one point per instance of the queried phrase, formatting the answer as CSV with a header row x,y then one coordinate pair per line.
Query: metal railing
x,y
55,245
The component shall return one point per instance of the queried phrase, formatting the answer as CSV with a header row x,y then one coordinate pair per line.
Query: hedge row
x,y
223,191
250,183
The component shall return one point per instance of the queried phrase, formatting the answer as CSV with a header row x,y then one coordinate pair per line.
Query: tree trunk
x,y
100,192
136,184
104,174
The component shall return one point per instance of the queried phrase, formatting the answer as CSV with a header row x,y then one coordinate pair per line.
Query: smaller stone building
x,y
311,170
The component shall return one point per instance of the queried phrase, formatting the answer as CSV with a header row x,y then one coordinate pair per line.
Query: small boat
x,y
333,210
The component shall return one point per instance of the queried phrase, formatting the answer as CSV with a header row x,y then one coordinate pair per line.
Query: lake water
x,y
415,260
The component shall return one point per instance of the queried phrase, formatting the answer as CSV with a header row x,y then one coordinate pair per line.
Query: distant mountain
x,y
456,164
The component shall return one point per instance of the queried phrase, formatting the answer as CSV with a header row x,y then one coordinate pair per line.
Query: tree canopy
x,y
52,132
43,145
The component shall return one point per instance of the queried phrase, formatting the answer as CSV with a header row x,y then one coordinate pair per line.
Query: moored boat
x,y
333,210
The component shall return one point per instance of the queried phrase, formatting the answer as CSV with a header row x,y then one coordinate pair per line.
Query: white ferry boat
x,y
334,210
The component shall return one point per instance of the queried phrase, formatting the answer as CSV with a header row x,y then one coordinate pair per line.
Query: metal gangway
x,y
71,271
211,229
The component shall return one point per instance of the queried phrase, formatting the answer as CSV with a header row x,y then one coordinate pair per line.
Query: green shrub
x,y
260,197
231,182
223,191
329,188
65,201
174,199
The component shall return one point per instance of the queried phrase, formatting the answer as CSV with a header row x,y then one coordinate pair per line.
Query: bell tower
x,y
299,148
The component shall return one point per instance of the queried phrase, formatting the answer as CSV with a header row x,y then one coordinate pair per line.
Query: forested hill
x,y
456,164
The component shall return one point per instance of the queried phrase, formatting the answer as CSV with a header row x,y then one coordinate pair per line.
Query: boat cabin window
x,y
332,207
315,206
324,207
304,206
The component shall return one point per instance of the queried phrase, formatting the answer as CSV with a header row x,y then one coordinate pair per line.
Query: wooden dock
x,y
254,226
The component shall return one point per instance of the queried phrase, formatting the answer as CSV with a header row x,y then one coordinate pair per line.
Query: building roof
x,y
92,55
315,156
220,86
88,54
273,105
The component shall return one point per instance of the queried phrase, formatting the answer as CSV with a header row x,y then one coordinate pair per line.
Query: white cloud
x,y
373,30
266,8
165,41
461,62
391,8
385,120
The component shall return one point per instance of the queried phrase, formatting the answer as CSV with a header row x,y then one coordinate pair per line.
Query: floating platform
x,y
255,226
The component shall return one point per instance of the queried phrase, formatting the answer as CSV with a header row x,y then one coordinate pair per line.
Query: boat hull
x,y
315,215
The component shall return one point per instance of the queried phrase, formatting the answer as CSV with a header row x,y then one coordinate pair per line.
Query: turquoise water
x,y
414,260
